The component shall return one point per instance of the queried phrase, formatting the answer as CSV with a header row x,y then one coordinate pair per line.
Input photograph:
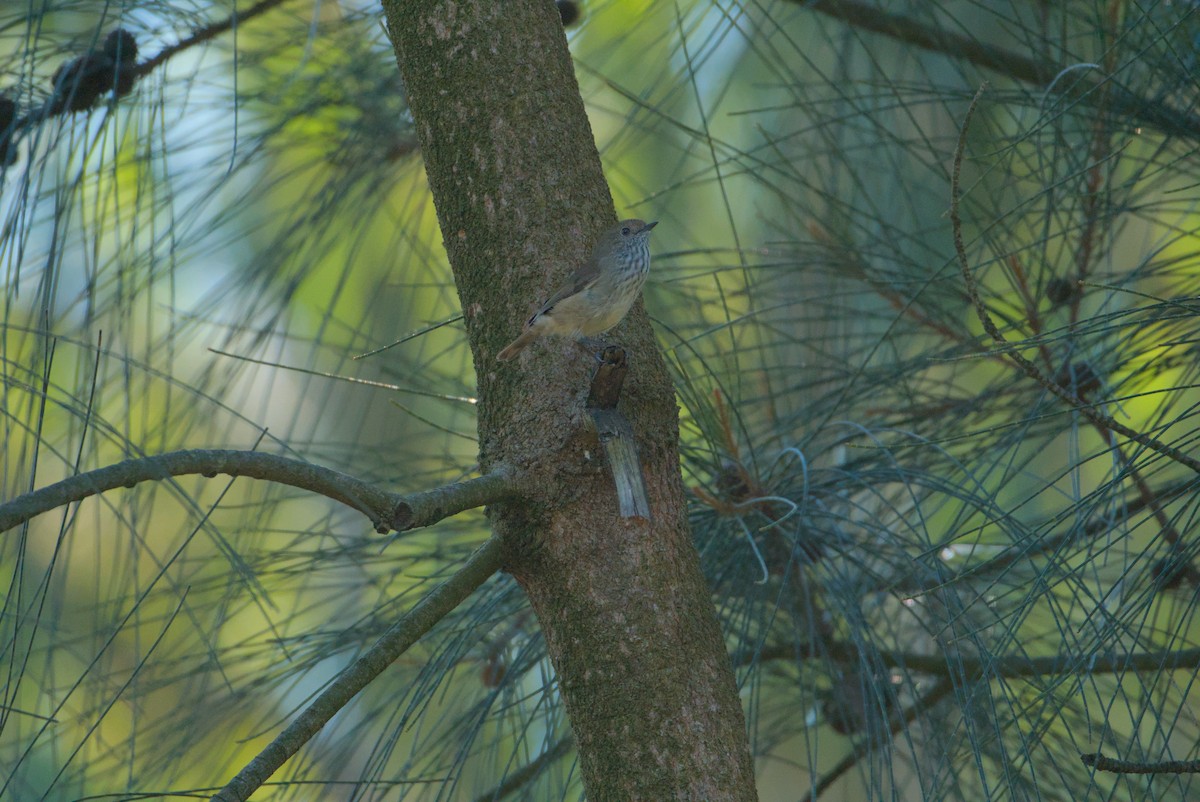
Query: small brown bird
x,y
598,294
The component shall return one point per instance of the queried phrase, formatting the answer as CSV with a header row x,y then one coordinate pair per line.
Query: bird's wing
x,y
586,275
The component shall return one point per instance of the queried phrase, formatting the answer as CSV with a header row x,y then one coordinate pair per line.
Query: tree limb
x,y
399,637
388,511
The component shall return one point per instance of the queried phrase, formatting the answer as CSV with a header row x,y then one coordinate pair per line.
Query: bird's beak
x,y
650,226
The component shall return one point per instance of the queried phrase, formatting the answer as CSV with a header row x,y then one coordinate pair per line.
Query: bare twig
x,y
399,637
387,511
966,670
430,506
1088,411
865,746
120,78
529,772
203,34
994,666
916,583
1081,85
1101,763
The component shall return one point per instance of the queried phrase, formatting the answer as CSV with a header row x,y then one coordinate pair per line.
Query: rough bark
x,y
626,613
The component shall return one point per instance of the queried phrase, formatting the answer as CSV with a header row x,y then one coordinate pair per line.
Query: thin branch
x,y
1021,68
1008,666
529,772
1097,419
966,670
86,78
864,747
387,511
430,506
399,637
912,32
205,33
913,583
1101,763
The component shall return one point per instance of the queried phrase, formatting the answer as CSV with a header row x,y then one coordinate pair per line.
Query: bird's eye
x,y
625,231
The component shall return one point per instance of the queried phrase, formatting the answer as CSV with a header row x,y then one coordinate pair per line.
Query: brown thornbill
x,y
599,293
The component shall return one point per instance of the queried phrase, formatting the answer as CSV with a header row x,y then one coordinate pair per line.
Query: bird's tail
x,y
518,345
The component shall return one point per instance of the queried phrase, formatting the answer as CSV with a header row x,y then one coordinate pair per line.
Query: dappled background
x,y
937,580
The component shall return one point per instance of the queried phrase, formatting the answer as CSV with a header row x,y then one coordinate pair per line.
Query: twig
x,y
399,637
69,86
430,506
1007,666
966,670
864,747
1030,369
1101,763
204,33
1005,62
1051,543
387,511
529,772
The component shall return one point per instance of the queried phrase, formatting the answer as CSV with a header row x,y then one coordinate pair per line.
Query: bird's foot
x,y
593,347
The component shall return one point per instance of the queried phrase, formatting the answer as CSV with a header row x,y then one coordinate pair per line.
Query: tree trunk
x,y
627,615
